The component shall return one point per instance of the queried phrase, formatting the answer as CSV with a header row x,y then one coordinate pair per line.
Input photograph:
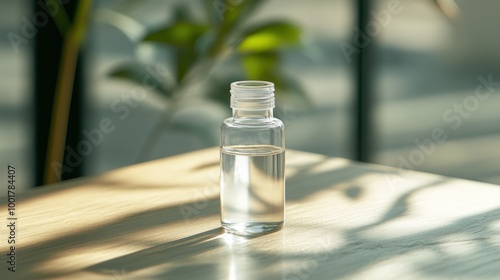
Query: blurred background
x,y
404,83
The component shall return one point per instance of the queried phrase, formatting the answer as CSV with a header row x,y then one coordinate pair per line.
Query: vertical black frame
x,y
363,103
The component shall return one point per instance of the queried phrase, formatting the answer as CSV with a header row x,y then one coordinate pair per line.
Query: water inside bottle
x,y
252,188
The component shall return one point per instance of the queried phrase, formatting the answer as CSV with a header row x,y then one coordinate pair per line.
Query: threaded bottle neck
x,y
252,95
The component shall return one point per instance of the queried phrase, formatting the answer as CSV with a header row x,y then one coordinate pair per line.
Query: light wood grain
x,y
344,220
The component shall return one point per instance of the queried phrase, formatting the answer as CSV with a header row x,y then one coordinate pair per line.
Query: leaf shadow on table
x,y
233,259
208,253
211,239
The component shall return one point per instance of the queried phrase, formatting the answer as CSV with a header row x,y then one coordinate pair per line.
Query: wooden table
x,y
344,220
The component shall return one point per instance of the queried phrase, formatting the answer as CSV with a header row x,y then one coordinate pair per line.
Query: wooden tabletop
x,y
344,220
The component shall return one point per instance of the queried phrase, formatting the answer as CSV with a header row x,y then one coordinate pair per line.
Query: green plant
x,y
199,45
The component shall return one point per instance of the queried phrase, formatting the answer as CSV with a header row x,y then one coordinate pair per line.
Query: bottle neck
x,y
253,115
252,101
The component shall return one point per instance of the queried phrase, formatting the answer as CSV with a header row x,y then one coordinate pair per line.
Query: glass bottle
x,y
252,146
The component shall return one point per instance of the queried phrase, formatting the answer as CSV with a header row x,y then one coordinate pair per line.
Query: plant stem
x,y
203,65
64,89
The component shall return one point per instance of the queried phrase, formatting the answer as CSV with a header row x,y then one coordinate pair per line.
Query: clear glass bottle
x,y
252,183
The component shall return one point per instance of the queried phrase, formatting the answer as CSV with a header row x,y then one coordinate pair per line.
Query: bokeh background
x,y
425,61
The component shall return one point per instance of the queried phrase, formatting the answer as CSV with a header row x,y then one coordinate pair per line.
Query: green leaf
x,y
147,76
263,66
183,36
260,66
226,16
266,66
185,59
269,37
179,34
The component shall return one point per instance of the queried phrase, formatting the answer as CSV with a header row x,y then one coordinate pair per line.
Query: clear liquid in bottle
x,y
252,188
